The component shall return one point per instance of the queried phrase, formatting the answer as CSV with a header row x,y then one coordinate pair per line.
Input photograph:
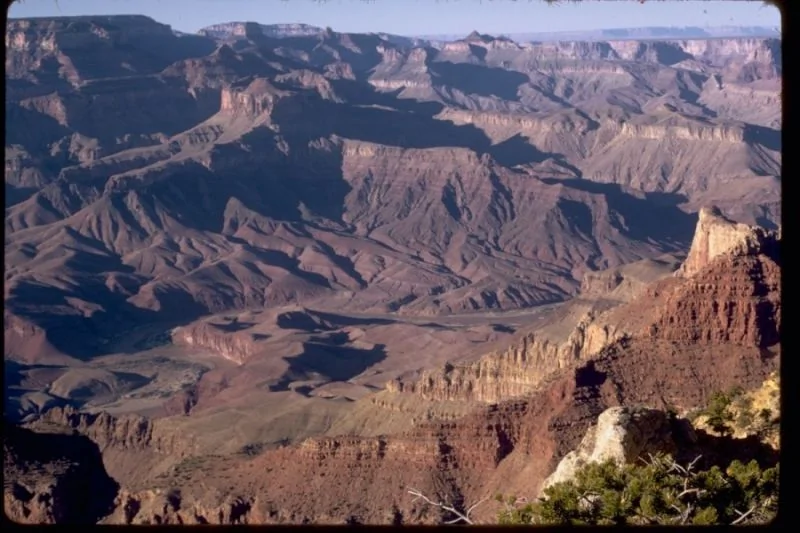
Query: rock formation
x,y
727,291
236,348
716,235
160,186
130,432
623,435
589,408
431,216
54,478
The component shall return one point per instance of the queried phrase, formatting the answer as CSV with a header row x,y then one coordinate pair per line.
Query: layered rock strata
x,y
727,291
511,446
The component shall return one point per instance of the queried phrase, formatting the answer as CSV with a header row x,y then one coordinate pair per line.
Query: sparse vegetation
x,y
736,412
717,413
745,419
252,449
744,409
654,492
182,471
257,448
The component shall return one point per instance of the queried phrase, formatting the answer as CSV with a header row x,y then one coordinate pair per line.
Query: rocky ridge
x,y
130,432
710,306
510,446
52,478
155,179
717,235
429,216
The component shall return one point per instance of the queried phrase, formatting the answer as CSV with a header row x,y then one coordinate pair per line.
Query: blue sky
x,y
421,17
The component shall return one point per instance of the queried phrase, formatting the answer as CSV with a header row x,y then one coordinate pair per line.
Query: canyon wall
x,y
128,432
727,292
509,446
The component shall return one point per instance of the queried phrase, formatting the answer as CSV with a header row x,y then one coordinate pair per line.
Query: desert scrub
x,y
657,491
720,410
252,449
745,416
717,412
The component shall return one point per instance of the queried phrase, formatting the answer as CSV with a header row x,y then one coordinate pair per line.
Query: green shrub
x,y
658,492
718,413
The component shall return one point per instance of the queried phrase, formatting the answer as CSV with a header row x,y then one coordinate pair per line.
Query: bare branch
x,y
681,470
474,505
449,508
691,491
742,516
691,465
687,513
652,459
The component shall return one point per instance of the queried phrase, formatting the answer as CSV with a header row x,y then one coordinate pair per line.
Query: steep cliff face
x,y
71,33
167,507
511,446
509,373
236,30
716,235
52,478
399,69
713,308
236,348
128,432
726,292
693,132
257,98
50,44
731,292
577,331
519,369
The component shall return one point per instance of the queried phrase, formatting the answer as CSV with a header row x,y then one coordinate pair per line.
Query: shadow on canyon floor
x,y
328,358
643,219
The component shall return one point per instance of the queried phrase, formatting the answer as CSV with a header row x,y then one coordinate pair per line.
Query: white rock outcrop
x,y
622,434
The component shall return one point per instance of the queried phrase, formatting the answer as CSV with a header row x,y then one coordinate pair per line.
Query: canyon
x,y
254,273
510,444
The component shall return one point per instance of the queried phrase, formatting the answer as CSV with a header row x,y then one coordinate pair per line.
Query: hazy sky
x,y
421,17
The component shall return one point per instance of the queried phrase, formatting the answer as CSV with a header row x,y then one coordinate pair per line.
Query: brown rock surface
x,y
511,446
730,296
127,433
716,235
54,477
169,213
169,197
